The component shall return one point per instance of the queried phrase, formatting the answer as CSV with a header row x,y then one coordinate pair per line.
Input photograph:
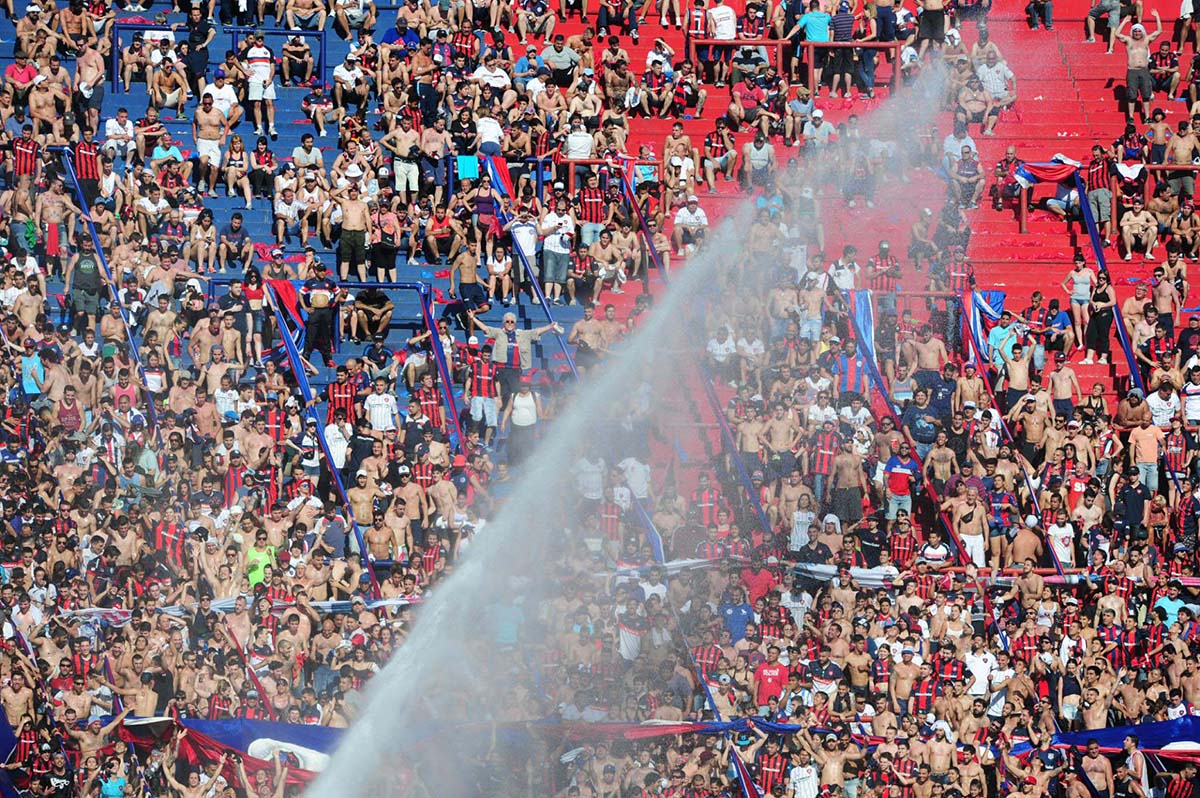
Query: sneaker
x,y
258,131
1150,256
851,204
1128,256
617,291
870,204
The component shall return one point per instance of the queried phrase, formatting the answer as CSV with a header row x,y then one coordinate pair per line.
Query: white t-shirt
x,y
579,144
723,22
162,206
843,274
722,350
224,98
559,242
589,477
350,75
637,476
496,78
381,411
1162,410
157,55
996,703
804,781
697,218
489,130
338,444
289,210
524,236
1191,400
112,128
259,61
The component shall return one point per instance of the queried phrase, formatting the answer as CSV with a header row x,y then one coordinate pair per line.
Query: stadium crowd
x,y
175,541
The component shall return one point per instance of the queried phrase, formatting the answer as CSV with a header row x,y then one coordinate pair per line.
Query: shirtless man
x,y
587,336
928,353
1016,367
611,264
1098,769
1139,83
1035,426
969,388
940,463
17,698
356,231
778,438
209,130
1180,151
679,143
362,498
95,736
44,100
790,493
941,754
831,755
932,26
466,287
54,209
848,485
1167,302
971,524
169,87
89,74
1064,387
900,682
405,143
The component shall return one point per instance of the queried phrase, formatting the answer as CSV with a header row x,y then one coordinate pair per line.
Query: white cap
x,y
1031,520
39,79
29,9
676,160
818,113
473,340
354,170
693,198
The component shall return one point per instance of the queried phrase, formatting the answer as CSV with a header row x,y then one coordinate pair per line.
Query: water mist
x,y
456,712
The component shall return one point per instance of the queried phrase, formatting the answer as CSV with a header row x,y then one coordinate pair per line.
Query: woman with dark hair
x,y
262,169
1099,326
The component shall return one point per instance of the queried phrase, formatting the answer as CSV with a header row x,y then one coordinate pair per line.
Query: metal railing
x,y
776,44
809,49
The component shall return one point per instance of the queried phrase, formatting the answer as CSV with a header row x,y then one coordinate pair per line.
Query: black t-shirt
x,y
1134,500
197,33
60,784
1188,342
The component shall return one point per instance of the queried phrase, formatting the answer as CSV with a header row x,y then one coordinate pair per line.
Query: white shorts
x,y
210,149
257,90
973,545
172,98
407,175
